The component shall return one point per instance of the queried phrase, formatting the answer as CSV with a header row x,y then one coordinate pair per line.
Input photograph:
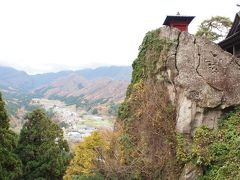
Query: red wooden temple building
x,y
232,42
178,21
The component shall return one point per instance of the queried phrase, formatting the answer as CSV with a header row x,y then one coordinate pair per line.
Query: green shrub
x,y
217,152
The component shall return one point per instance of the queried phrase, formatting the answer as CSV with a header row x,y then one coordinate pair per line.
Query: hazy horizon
x,y
77,69
55,35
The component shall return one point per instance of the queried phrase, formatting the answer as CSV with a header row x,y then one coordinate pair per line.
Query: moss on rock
x,y
217,152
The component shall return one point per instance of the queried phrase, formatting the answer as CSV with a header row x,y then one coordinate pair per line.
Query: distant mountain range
x,y
103,84
10,77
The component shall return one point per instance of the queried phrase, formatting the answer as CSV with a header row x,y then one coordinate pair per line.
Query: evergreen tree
x,y
4,120
42,148
10,164
215,28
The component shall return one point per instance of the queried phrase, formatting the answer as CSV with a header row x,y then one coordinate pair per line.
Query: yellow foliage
x,y
87,155
102,152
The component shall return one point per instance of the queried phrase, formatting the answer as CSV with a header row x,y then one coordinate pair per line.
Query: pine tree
x,y
215,28
10,164
42,148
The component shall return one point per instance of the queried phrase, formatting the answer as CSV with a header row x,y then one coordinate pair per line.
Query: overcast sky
x,y
51,35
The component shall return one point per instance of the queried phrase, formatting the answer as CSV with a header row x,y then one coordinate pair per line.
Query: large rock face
x,y
179,83
202,79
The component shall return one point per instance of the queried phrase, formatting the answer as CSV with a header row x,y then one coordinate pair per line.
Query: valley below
x,y
79,102
76,123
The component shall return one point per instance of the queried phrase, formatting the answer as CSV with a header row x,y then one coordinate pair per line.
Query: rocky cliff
x,y
179,83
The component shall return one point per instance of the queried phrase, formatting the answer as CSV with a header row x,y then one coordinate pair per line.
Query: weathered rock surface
x,y
190,172
202,79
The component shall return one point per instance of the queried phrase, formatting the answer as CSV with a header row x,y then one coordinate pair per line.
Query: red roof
x,y
186,19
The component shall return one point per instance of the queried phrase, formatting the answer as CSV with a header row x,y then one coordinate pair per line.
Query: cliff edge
x,y
179,83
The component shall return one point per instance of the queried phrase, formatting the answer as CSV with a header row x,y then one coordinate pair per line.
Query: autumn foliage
x,y
141,146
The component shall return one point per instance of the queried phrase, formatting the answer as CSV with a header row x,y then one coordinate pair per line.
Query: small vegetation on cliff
x,y
217,152
151,130
149,52
148,116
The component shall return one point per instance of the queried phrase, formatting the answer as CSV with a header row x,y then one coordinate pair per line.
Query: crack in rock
x,y
178,42
199,58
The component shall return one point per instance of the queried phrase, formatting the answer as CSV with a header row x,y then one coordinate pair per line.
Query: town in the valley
x,y
75,123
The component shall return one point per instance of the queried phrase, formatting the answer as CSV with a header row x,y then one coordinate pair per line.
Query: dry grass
x,y
153,130
152,151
